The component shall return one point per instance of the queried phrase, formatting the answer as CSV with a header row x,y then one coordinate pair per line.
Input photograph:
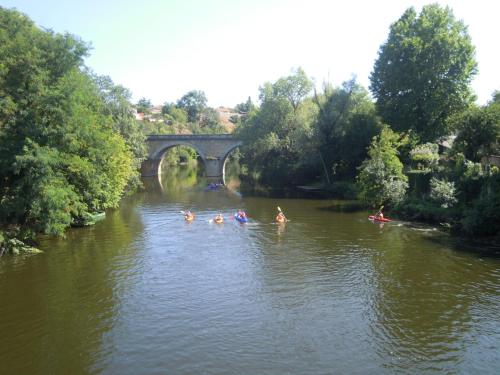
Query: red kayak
x,y
381,219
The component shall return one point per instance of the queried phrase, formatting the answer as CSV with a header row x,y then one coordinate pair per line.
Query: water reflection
x,y
421,311
327,292
59,308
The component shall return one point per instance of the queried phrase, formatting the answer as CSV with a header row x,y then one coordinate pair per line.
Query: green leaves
x,y
478,131
62,136
381,179
194,102
423,73
345,126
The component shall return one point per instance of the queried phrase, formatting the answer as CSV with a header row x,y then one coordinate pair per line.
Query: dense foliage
x,y
423,73
381,179
277,135
69,146
345,125
189,115
336,139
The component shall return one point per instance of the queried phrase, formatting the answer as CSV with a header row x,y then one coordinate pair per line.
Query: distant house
x,y
139,115
154,114
156,110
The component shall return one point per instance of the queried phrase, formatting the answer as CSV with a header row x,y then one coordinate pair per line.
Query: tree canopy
x,y
194,102
423,72
62,130
346,123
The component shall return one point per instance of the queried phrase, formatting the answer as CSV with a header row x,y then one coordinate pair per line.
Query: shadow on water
x,y
485,248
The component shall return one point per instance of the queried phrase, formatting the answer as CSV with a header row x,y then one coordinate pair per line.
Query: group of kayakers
x,y
240,216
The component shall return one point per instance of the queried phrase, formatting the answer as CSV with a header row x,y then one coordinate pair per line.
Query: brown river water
x,y
144,292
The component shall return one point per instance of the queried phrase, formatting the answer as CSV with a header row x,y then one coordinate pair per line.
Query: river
x,y
144,292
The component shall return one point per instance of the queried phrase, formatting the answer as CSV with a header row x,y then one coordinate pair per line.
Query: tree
x,y
117,105
495,97
62,154
423,72
294,87
424,158
381,179
277,136
194,102
443,192
246,107
144,105
478,131
345,125
174,114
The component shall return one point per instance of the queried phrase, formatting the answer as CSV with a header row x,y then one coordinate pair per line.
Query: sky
x,y
160,50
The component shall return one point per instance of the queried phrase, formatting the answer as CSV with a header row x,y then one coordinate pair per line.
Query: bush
x,y
427,211
381,179
443,192
483,218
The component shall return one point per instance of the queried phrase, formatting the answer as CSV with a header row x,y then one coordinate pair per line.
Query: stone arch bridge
x,y
212,148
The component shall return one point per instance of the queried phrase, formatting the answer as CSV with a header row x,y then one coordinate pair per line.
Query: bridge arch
x,y
212,148
162,152
225,159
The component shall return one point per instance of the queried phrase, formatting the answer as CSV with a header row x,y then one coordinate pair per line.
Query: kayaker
x,y
242,214
379,214
280,217
188,215
218,218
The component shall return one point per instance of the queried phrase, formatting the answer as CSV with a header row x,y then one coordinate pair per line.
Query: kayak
x,y
218,220
241,219
280,219
214,187
381,219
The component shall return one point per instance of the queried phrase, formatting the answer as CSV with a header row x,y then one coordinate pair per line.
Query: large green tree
x,y
423,71
277,135
62,154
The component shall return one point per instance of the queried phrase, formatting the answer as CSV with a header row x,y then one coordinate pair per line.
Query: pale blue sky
x,y
162,49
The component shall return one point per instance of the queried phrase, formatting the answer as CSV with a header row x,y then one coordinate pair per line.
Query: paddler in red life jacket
x,y
242,214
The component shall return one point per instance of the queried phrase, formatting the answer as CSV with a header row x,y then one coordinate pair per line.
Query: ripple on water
x,y
146,292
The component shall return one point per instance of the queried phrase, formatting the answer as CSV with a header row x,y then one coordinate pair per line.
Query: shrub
x,y
443,192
